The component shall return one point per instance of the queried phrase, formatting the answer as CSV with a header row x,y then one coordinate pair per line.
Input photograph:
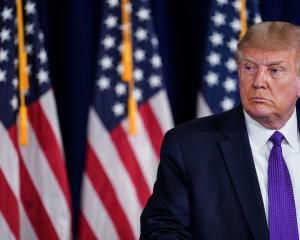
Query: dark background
x,y
72,30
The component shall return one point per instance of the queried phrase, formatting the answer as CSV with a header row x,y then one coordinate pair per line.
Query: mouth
x,y
259,99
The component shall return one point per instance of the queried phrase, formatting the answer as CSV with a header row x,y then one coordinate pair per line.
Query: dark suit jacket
x,y
206,187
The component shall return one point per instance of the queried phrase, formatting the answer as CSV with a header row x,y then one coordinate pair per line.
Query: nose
x,y
260,79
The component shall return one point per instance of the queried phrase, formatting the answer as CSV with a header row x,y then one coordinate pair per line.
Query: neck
x,y
274,122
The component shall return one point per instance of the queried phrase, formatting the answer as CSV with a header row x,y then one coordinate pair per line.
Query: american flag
x,y
219,89
120,166
34,194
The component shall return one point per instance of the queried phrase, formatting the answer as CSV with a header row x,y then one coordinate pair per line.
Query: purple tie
x,y
282,212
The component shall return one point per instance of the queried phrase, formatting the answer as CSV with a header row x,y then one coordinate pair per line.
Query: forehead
x,y
268,57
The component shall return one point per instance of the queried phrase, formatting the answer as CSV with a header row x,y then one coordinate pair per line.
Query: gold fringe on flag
x,y
23,77
127,62
243,18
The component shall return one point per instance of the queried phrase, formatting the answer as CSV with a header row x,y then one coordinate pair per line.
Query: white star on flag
x,y
30,8
222,2
212,79
41,36
120,68
111,21
231,65
29,28
120,89
230,85
227,103
141,34
15,83
216,39
235,25
155,81
106,62
214,59
112,3
108,42
118,109
219,19
14,103
42,76
143,14
29,49
43,56
2,75
3,55
6,13
237,5
232,45
139,55
5,35
154,41
103,83
156,61
138,94
138,75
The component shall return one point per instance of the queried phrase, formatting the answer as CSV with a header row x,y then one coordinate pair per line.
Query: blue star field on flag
x,y
111,93
220,83
37,66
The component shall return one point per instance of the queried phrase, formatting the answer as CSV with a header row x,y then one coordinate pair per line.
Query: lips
x,y
259,99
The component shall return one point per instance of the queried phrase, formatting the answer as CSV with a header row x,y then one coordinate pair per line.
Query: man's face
x,y
269,85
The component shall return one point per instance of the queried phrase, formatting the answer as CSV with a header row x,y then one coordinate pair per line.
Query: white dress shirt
x,y
261,147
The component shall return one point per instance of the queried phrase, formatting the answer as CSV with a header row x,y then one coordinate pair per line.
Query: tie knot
x,y
276,138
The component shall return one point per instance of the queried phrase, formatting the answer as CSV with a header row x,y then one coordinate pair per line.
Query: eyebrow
x,y
267,64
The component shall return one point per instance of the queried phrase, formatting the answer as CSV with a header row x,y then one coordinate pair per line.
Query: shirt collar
x,y
260,134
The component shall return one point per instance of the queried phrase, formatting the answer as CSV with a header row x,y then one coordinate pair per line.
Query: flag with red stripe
x,y
121,166
34,193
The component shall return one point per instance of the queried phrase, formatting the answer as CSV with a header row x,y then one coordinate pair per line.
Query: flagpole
x,y
23,77
127,61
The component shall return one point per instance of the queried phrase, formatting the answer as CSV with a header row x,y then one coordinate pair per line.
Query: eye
x,y
276,71
248,68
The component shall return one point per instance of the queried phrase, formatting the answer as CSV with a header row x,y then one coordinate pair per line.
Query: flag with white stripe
x,y
219,90
34,194
121,165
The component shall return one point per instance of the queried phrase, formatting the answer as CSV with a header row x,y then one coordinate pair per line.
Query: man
x,y
236,175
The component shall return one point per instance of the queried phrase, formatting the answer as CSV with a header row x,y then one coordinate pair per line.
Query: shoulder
x,y
185,143
209,126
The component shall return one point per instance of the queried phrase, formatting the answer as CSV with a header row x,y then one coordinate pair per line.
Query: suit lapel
x,y
238,158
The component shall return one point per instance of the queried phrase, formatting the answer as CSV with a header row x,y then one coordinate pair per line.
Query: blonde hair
x,y
271,36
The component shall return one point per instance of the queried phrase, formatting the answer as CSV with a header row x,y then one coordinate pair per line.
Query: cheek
x,y
244,88
244,94
285,95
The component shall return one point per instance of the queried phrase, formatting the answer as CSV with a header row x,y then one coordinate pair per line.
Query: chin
x,y
258,112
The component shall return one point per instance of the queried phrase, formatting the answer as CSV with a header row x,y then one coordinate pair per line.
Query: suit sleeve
x,y
167,214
